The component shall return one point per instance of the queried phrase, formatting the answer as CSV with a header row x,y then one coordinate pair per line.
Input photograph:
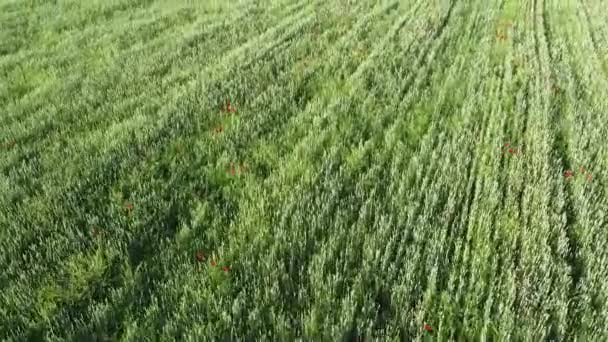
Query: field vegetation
x,y
316,170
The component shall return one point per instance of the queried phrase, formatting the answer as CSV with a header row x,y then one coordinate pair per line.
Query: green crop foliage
x,y
398,170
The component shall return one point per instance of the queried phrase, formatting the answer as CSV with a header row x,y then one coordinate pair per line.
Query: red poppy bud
x,y
226,269
230,108
213,263
428,328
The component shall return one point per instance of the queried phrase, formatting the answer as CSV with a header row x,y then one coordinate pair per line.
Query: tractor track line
x,y
574,260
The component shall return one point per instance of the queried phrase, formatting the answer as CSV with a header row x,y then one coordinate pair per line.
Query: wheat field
x,y
281,170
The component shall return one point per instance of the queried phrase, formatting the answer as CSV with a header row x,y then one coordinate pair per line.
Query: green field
x,y
384,167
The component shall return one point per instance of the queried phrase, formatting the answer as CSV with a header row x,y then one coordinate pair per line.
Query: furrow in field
x,y
511,302
522,261
571,217
506,158
480,266
468,226
466,281
538,301
508,220
582,103
471,88
475,160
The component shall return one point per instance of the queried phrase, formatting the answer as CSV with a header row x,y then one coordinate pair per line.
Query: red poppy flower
x,y
129,206
213,263
200,256
226,269
428,328
568,173
507,145
228,108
